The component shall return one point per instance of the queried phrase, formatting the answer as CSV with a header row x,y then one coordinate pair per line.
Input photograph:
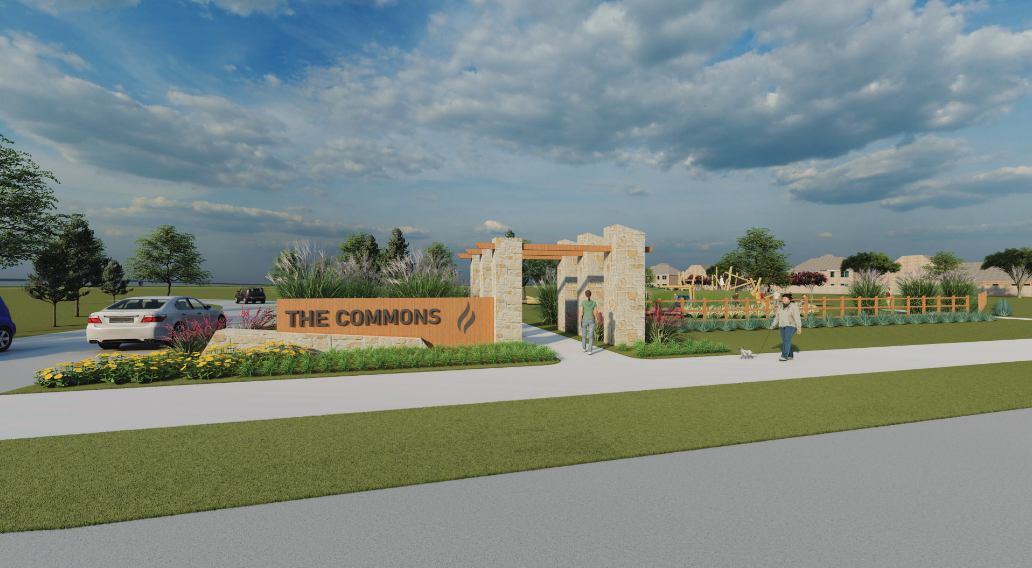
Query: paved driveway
x,y
29,354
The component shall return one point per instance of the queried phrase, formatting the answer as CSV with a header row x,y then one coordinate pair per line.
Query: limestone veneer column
x,y
507,277
624,285
591,275
566,282
474,277
486,280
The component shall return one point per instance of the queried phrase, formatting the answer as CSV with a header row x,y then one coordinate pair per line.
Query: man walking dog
x,y
790,323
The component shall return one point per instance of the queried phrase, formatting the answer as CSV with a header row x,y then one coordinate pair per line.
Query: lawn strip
x,y
36,389
822,338
66,481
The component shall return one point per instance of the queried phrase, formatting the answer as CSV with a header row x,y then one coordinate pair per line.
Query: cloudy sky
x,y
894,125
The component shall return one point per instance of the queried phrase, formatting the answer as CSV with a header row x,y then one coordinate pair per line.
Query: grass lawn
x,y
66,481
840,337
34,317
36,389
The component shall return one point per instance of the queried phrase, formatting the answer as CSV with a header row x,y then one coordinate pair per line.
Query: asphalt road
x,y
943,493
29,354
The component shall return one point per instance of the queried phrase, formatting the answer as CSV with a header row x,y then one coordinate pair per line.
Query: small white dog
x,y
746,354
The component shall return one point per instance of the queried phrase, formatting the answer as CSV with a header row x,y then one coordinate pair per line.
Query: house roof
x,y
988,275
821,264
664,268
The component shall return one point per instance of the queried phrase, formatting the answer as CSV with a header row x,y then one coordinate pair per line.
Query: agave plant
x,y
848,321
900,319
728,325
751,324
917,318
706,326
864,319
830,321
962,316
883,319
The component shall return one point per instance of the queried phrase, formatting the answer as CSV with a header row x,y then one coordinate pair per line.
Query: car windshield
x,y
138,304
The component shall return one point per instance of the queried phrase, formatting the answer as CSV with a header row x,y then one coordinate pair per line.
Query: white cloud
x,y
353,158
903,178
207,140
490,226
235,219
229,67
58,6
825,235
870,177
632,189
648,82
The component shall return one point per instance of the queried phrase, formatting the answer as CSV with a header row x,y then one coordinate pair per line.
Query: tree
x,y
943,262
360,245
85,254
878,262
809,280
440,255
758,256
49,279
650,277
397,247
166,255
1017,263
26,227
510,234
113,282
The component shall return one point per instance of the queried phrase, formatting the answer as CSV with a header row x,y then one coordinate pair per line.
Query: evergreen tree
x,y
360,245
510,234
113,281
85,254
397,247
49,279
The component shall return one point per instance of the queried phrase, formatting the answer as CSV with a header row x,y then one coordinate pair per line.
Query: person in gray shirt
x,y
789,321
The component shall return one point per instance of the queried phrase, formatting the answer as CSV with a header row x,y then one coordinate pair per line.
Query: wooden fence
x,y
839,307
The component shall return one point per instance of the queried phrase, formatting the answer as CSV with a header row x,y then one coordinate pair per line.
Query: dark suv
x,y
250,295
7,327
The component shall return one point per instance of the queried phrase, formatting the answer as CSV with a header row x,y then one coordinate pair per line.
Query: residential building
x,y
666,275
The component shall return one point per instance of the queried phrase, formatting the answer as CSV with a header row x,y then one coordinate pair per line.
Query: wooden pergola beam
x,y
464,255
474,252
554,249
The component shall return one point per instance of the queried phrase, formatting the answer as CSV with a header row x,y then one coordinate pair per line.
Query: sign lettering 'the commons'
x,y
438,321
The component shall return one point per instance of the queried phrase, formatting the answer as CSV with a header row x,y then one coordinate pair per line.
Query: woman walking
x,y
587,322
790,323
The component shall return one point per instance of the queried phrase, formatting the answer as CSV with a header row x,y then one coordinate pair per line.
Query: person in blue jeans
x,y
587,322
790,323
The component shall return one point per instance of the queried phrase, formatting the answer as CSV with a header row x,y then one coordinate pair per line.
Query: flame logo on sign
x,y
472,318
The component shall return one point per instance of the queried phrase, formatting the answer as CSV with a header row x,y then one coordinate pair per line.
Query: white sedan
x,y
147,319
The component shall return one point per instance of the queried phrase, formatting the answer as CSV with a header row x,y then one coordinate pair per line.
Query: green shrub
x,y
1003,308
917,318
829,321
848,321
548,296
623,346
728,325
865,319
884,319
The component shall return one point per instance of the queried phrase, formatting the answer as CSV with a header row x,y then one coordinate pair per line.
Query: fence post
x,y
924,305
704,308
726,302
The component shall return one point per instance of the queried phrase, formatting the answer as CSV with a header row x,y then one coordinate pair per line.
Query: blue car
x,y
7,328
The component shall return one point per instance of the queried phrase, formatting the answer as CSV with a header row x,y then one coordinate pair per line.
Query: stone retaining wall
x,y
244,338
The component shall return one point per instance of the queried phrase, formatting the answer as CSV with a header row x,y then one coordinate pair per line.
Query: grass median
x,y
67,481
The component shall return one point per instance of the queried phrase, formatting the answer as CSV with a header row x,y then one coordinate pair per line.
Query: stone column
x,y
486,280
474,277
624,285
566,282
507,277
590,275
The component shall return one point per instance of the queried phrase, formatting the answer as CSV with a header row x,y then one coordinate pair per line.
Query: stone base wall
x,y
507,280
566,282
244,338
624,284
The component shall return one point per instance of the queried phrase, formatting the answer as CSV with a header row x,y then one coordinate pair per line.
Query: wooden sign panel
x,y
438,321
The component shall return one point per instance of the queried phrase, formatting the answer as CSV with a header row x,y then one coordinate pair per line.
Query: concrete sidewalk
x,y
60,413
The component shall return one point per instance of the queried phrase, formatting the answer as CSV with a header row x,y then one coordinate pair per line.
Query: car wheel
x,y
263,301
221,323
5,338
109,344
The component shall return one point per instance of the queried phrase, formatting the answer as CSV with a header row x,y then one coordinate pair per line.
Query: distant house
x,y
699,269
666,275
993,281
831,266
